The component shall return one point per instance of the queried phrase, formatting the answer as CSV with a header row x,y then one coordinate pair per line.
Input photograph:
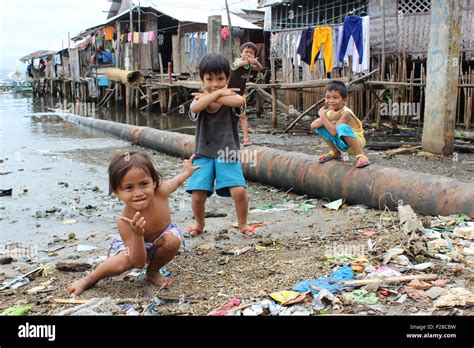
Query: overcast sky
x,y
30,25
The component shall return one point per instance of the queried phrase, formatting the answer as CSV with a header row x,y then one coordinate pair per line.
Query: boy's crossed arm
x,y
223,96
326,121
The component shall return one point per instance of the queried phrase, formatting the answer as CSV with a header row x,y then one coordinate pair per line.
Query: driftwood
x,y
390,280
303,114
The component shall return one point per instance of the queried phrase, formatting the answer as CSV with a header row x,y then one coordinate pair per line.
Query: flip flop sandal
x,y
328,157
249,231
361,163
191,229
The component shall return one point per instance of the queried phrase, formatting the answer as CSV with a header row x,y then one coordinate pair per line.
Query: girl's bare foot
x,y
79,286
158,279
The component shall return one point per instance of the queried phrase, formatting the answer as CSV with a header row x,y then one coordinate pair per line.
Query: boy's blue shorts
x,y
225,175
342,130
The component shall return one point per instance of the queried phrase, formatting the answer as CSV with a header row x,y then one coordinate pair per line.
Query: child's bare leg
x,y
354,145
166,249
239,194
245,128
198,203
333,148
114,265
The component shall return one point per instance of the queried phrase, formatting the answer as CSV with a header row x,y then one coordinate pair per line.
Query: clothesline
x,y
335,19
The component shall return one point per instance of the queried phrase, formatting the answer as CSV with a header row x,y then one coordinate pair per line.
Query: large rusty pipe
x,y
374,186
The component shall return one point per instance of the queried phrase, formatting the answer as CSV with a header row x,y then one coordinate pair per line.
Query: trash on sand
x,y
20,283
73,266
335,205
367,232
43,287
6,192
16,310
464,232
305,207
421,266
323,299
285,297
273,207
391,253
82,247
261,249
418,295
435,292
94,306
361,296
243,250
402,298
419,284
330,282
69,222
455,297
223,309
164,272
384,272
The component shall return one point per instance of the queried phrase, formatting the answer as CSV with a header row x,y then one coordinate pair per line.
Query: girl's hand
x,y
188,166
137,224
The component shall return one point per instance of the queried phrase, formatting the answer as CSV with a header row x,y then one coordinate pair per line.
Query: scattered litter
x,y
94,306
455,297
323,299
20,283
330,283
435,292
418,295
243,250
421,266
223,309
82,247
69,222
6,192
391,253
335,205
384,272
464,232
284,296
16,310
305,207
361,296
164,272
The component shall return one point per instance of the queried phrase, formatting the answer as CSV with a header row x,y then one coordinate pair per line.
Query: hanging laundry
x,y
122,37
337,40
203,45
160,38
322,37
136,38
145,38
225,33
129,37
304,47
151,36
109,32
353,51
352,27
57,59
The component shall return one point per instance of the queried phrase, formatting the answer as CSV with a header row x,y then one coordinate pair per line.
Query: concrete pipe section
x,y
374,186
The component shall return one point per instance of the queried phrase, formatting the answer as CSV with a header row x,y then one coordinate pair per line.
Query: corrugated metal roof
x,y
182,14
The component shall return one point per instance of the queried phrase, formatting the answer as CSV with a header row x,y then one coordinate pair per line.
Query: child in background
x,y
239,76
145,227
339,127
